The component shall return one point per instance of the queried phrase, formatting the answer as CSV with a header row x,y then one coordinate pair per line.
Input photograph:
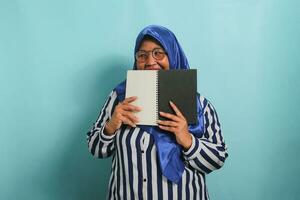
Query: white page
x,y
143,84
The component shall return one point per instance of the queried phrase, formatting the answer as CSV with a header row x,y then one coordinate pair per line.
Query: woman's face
x,y
146,61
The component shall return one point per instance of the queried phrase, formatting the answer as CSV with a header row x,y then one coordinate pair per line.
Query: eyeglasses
x,y
157,54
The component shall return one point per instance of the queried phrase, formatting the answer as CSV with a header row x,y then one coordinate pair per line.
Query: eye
x,y
158,54
141,55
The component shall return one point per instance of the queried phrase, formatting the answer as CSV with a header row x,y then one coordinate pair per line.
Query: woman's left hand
x,y
178,125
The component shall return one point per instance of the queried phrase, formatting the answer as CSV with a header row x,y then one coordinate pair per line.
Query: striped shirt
x,y
136,173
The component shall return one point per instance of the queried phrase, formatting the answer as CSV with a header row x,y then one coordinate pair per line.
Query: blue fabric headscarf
x,y
168,151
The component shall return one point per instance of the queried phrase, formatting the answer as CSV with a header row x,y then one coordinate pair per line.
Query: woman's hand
x,y
177,125
123,114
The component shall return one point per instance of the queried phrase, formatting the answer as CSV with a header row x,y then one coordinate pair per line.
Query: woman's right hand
x,y
123,114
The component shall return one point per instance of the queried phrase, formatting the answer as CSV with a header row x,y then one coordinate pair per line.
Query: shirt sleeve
x,y
101,145
208,152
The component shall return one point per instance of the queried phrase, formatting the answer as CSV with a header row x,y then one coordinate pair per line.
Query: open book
x,y
156,88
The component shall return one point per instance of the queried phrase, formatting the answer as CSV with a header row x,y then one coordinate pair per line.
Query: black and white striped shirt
x,y
136,171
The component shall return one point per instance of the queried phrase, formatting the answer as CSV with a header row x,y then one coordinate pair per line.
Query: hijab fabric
x,y
168,151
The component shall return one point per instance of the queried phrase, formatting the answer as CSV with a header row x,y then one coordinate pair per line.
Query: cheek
x,y
140,66
165,64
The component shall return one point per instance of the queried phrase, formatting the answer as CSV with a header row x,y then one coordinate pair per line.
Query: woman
x,y
168,161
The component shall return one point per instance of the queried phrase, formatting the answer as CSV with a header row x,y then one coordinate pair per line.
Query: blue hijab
x,y
168,151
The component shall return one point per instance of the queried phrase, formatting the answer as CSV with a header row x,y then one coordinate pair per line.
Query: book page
x,y
143,84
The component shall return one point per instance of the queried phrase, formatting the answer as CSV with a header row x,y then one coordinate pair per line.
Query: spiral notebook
x,y
156,88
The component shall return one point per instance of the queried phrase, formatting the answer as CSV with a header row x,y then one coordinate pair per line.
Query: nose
x,y
150,60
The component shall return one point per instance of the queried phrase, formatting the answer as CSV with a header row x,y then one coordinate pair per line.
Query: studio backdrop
x,y
60,59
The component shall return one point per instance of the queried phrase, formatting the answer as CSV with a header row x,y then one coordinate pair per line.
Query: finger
x,y
129,107
126,120
176,110
130,99
130,116
170,116
167,128
167,123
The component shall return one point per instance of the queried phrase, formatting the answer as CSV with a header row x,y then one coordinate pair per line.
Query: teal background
x,y
59,60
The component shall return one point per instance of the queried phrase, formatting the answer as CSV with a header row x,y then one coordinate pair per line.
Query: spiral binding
x,y
157,95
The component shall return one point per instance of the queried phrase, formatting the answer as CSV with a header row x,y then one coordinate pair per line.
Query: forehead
x,y
148,44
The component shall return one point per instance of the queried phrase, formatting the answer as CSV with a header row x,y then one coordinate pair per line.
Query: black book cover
x,y
180,87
